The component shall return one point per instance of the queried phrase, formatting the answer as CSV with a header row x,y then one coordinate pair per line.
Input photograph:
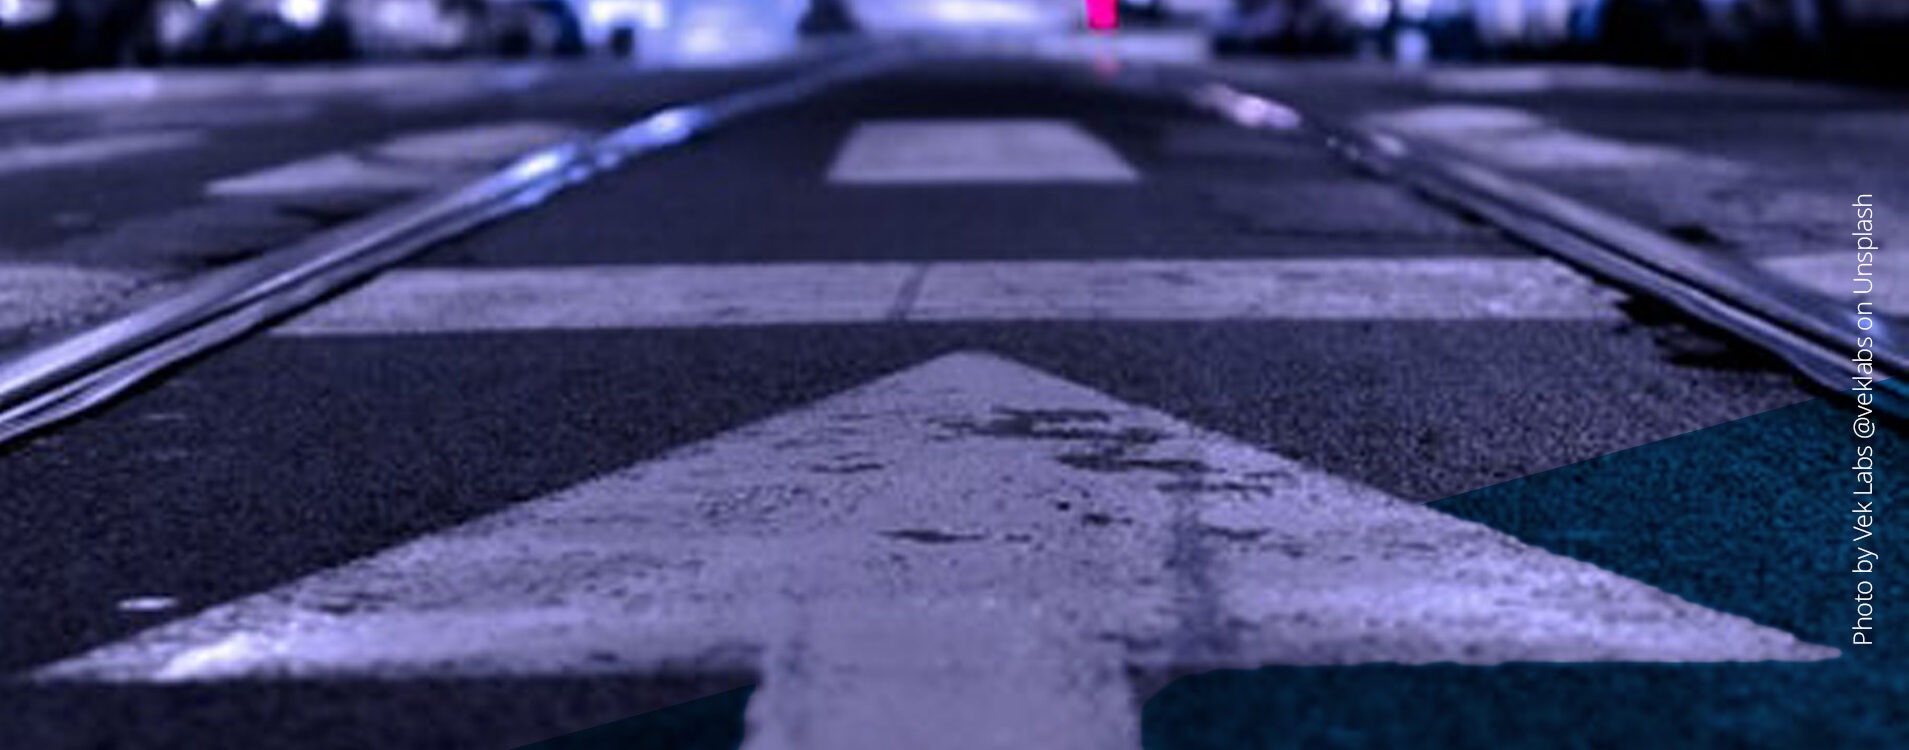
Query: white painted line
x,y
929,152
1289,289
335,173
1517,139
1833,274
30,156
433,300
408,163
968,554
478,145
47,295
444,300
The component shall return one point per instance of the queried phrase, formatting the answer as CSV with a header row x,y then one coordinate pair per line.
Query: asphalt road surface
x,y
1756,170
979,403
122,185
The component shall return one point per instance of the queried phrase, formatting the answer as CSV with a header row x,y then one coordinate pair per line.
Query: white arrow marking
x,y
926,152
440,300
968,554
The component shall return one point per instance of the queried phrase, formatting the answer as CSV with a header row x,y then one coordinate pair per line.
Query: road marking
x,y
30,156
442,300
1514,138
48,295
1833,274
332,173
144,604
928,152
479,145
967,554
408,163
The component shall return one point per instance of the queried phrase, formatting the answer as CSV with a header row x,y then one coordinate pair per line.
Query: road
x,y
972,402
131,182
1748,169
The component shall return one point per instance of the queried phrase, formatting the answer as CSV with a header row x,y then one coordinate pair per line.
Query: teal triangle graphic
x,y
1750,517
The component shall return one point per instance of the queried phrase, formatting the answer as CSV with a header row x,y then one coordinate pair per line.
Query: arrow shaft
x,y
951,675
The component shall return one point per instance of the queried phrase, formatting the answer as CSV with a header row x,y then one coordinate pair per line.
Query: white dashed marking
x,y
408,163
30,156
1517,139
482,145
332,173
1834,275
928,152
435,300
46,295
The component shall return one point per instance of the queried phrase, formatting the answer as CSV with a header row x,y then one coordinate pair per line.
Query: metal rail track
x,y
1812,334
89,368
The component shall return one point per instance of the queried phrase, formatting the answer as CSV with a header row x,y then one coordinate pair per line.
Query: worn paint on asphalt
x,y
411,162
31,156
1515,138
967,554
438,300
926,152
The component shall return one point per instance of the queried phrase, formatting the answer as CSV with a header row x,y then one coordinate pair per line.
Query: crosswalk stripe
x,y
1834,274
440,300
967,554
1518,139
330,173
49,295
404,163
927,152
480,145
30,156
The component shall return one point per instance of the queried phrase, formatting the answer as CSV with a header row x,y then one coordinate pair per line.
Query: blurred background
x,y
1840,38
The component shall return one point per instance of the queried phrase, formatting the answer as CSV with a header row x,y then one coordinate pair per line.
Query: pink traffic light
x,y
1103,15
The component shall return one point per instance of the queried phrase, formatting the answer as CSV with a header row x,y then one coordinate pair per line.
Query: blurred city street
x,y
972,389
